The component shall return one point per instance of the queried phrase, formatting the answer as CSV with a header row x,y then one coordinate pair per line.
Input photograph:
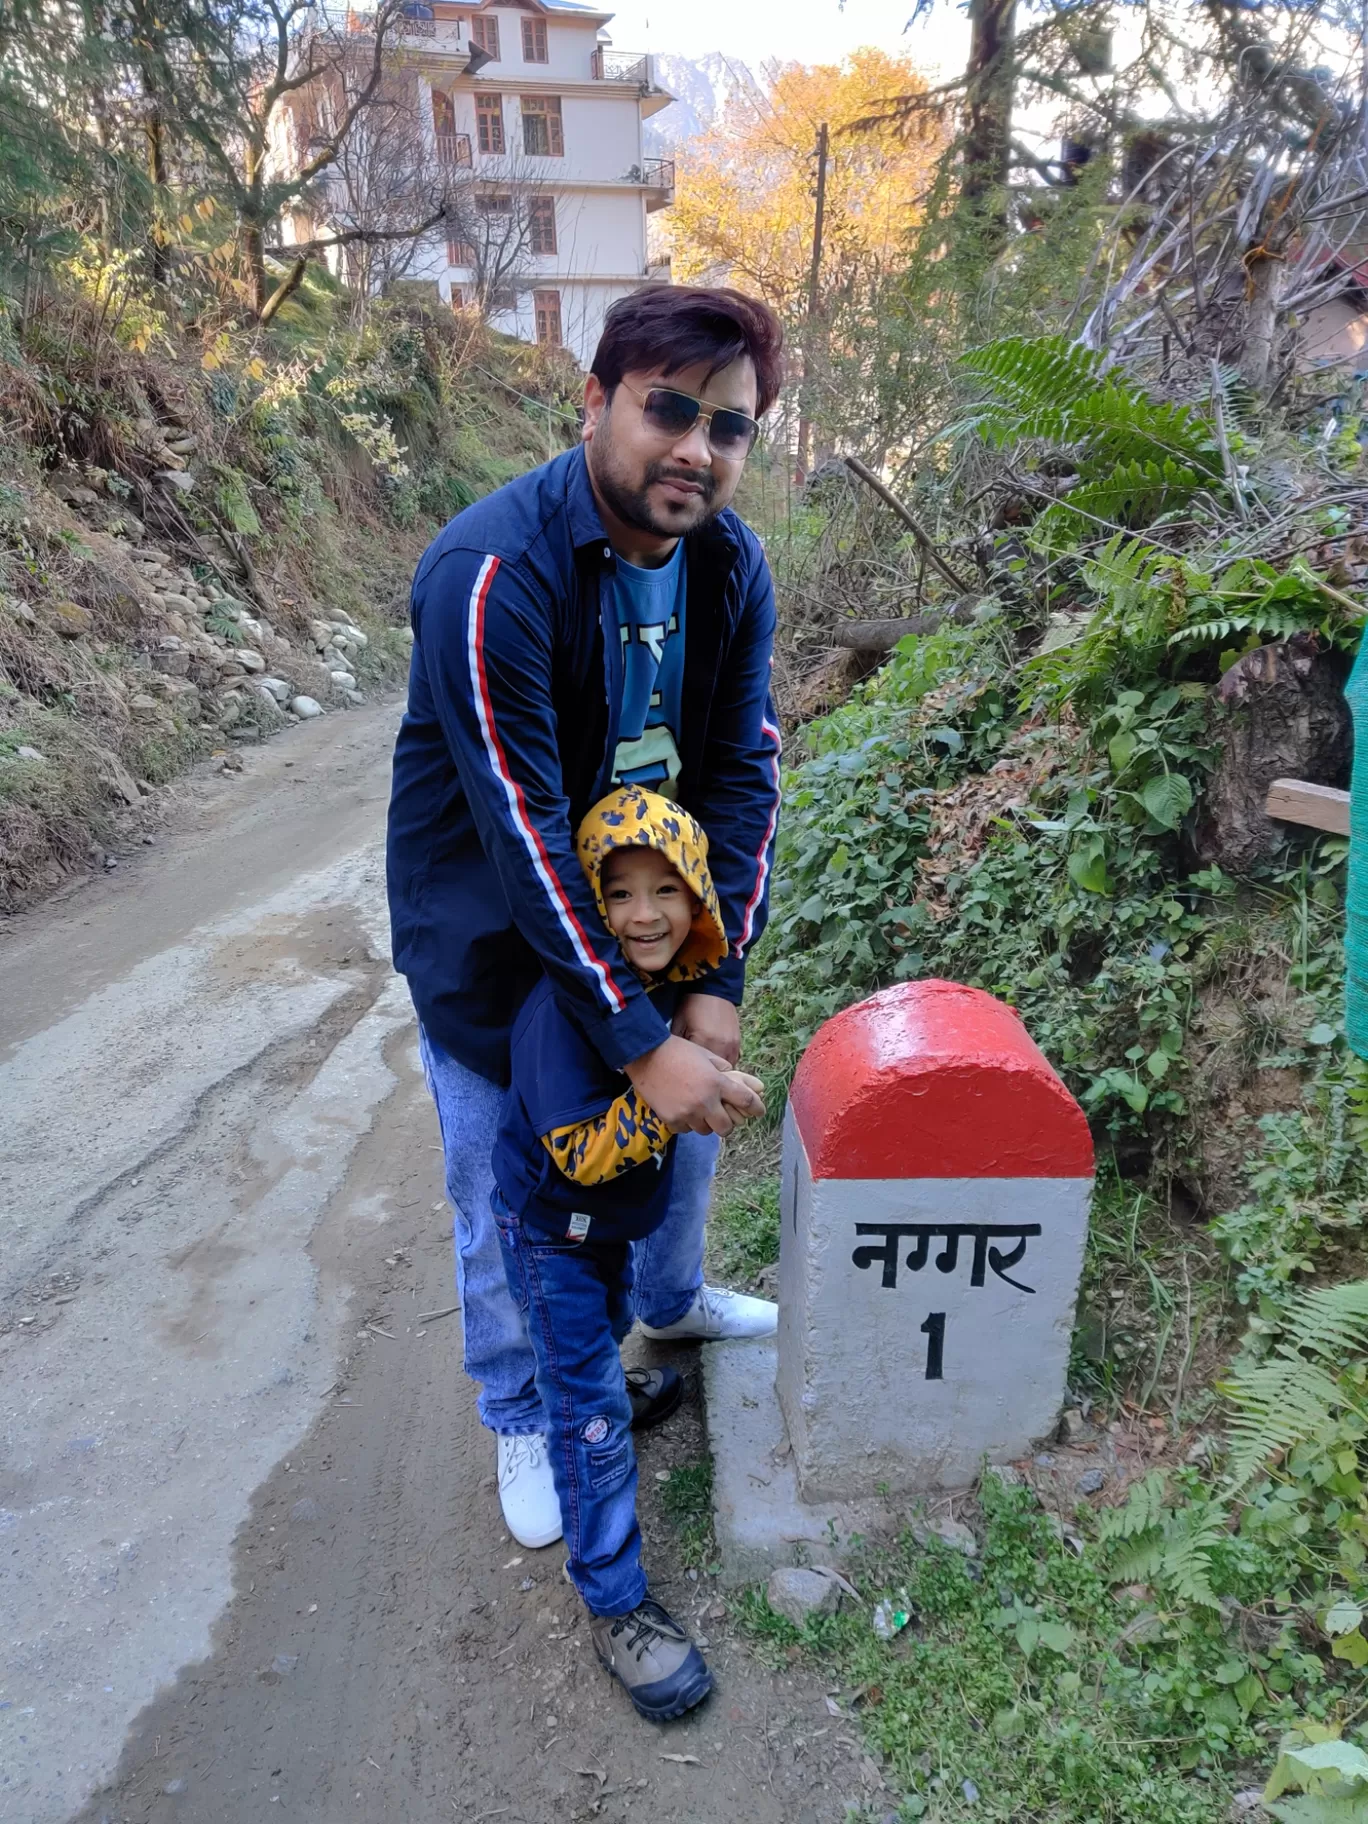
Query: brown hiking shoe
x,y
648,1653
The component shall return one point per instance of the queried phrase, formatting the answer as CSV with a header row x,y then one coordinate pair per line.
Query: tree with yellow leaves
x,y
744,207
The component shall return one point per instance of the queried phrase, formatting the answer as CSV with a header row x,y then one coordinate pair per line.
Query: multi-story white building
x,y
530,99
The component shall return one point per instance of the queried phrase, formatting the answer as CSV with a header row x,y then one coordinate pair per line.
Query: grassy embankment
x,y
186,515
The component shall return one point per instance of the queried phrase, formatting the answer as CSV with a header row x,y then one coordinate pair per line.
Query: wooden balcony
x,y
454,149
633,67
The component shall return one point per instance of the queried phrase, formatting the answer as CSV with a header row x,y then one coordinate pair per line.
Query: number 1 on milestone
x,y
934,1332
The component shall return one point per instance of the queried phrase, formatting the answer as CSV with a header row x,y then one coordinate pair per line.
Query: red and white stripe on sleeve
x,y
513,794
762,860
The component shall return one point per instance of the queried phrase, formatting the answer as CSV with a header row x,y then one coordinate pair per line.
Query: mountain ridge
x,y
702,87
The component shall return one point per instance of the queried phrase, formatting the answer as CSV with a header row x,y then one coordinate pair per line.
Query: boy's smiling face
x,y
650,910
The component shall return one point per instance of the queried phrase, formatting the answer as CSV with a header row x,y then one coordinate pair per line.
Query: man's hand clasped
x,y
693,1090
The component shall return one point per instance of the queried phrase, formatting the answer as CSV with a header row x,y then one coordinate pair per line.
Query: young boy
x,y
581,1171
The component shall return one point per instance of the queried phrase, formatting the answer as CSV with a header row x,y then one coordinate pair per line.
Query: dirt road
x,y
250,1549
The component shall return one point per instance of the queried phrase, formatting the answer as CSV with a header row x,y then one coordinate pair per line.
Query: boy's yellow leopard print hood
x,y
631,817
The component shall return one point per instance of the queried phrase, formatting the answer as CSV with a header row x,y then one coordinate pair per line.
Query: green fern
x,y
1138,460
1144,1509
1141,1561
1053,391
218,620
1285,1398
1276,623
1191,1538
1151,602
1172,1548
1030,387
1128,631
1133,493
1252,597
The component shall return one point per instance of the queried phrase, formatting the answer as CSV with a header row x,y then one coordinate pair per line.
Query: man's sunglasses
x,y
730,434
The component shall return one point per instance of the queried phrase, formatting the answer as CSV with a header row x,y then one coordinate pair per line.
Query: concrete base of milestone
x,y
758,1517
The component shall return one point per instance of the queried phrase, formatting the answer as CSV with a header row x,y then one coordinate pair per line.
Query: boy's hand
x,y
684,1084
711,1022
741,1092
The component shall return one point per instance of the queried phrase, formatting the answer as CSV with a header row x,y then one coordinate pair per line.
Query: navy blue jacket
x,y
515,692
558,1081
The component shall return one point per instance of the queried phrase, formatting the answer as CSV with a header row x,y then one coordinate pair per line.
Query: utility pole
x,y
814,275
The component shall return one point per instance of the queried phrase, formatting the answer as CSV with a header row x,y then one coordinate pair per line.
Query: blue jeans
x,y
575,1298
667,1267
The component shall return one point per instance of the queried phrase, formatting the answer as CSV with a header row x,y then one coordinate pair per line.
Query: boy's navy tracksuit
x,y
567,1244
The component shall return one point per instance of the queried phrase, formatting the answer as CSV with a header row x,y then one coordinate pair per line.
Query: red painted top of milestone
x,y
935,1080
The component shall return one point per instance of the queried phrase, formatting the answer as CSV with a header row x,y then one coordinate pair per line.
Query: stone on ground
x,y
1073,1427
950,1532
72,621
306,707
796,1593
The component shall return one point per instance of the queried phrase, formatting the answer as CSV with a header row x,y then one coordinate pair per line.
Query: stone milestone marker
x,y
935,1192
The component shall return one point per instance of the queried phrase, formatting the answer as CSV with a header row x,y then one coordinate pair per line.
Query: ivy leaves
x,y
1150,735
1088,865
1344,1624
1065,904
1031,1628
1167,798
1155,739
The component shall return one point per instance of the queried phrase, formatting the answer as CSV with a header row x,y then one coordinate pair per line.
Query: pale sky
x,y
808,31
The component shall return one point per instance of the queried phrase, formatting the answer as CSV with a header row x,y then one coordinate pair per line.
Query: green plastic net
x,y
1356,932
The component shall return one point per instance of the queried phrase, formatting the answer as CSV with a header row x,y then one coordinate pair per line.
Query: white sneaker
x,y
527,1492
716,1313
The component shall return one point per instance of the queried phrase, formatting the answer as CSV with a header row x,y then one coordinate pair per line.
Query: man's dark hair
x,y
666,328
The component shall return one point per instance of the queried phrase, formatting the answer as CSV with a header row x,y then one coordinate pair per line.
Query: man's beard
x,y
633,505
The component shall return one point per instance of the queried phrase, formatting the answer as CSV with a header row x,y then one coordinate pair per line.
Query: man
x,y
603,620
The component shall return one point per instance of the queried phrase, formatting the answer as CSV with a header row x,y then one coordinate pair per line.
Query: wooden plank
x,y
1322,807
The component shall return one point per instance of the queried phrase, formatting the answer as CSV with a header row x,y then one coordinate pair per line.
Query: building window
x,y
489,122
541,122
546,304
541,224
454,149
460,253
534,41
443,112
484,35
494,202
459,300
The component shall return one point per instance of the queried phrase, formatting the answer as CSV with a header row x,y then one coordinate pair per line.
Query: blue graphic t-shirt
x,y
650,616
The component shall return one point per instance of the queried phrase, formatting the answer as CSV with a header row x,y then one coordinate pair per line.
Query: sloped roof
x,y
575,8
